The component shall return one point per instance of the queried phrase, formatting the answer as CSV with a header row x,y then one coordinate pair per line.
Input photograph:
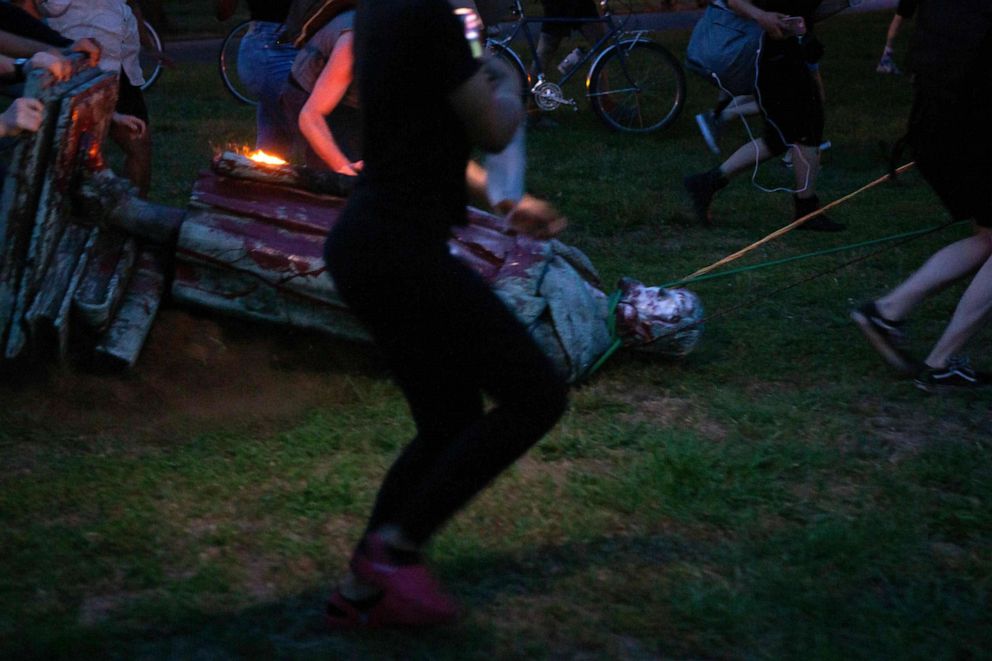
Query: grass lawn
x,y
777,494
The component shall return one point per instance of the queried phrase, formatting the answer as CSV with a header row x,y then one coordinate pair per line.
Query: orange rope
x,y
796,223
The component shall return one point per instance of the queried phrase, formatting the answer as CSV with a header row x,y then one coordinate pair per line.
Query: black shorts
x,y
130,99
790,99
906,8
953,148
566,9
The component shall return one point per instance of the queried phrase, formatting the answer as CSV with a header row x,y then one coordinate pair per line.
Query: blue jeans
x,y
264,66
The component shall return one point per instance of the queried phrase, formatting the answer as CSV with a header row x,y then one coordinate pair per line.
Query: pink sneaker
x,y
343,615
411,592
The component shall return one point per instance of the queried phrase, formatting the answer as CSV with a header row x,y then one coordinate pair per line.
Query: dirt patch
x,y
902,434
194,373
658,410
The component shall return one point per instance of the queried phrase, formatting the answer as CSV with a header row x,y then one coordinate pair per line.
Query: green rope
x,y
615,296
611,325
818,253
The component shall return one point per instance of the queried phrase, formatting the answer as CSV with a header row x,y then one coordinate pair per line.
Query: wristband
x,y
19,69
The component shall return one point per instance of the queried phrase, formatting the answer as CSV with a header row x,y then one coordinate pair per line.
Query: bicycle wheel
x,y
228,64
151,66
636,86
505,53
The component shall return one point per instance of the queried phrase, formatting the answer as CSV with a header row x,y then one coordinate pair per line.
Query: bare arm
x,y
475,183
490,105
18,46
773,23
531,216
327,92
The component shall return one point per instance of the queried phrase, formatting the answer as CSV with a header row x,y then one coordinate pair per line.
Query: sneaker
x,y
821,223
887,65
410,591
383,611
709,126
701,188
887,337
957,374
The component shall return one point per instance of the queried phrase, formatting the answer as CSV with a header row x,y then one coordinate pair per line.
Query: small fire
x,y
260,156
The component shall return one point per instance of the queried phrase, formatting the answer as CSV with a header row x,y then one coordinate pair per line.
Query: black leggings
x,y
448,340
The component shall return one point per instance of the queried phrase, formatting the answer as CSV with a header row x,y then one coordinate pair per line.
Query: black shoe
x,y
887,337
821,223
957,374
702,187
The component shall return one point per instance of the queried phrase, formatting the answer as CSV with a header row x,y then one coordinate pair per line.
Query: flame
x,y
260,156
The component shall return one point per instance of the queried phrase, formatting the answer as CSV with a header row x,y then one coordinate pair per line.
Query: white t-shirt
x,y
110,22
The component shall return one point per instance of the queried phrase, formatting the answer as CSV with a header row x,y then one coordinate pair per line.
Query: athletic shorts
x,y
566,9
790,99
130,99
953,148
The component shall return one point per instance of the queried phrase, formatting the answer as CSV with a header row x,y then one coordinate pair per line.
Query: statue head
x,y
659,320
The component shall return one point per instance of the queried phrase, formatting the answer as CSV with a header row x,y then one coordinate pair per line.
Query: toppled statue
x,y
84,263
251,246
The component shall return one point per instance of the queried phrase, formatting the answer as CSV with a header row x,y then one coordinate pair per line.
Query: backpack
x,y
725,46
306,17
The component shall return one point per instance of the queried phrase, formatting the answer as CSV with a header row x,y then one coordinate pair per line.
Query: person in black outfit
x,y
904,11
447,338
951,61
791,103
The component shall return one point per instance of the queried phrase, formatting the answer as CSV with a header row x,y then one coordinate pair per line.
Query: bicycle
x,y
228,64
634,84
151,66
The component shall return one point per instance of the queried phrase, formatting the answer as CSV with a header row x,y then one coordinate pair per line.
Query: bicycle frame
x,y
614,34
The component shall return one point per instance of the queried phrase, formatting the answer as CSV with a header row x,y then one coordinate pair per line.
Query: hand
x,y
350,169
22,115
58,66
536,218
774,24
90,47
134,125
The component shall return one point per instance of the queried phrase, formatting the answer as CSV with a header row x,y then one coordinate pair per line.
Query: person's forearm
x,y
476,179
318,135
16,46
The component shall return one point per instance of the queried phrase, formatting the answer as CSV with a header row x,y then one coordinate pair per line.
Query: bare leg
x,y
739,106
745,156
805,165
945,267
972,310
547,46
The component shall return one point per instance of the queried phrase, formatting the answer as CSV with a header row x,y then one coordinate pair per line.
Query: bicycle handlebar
x,y
518,7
